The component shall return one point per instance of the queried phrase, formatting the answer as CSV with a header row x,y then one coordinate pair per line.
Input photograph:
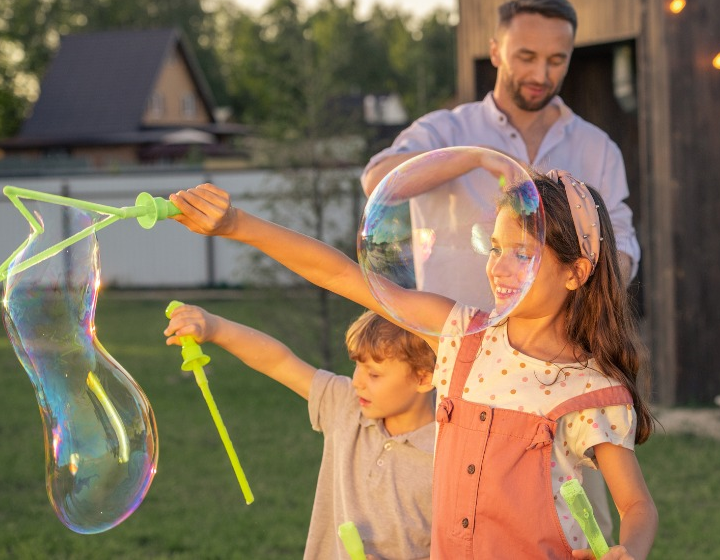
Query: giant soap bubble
x,y
483,250
101,443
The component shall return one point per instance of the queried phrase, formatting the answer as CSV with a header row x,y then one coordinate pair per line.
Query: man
x,y
525,118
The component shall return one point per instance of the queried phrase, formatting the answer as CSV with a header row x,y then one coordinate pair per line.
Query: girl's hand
x,y
193,321
206,209
615,553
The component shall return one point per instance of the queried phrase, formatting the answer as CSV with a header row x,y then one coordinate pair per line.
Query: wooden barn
x,y
648,73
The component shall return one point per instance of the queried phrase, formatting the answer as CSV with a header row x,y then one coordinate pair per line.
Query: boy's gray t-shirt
x,y
382,483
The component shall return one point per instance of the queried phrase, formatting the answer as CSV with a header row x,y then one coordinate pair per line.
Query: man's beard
x,y
523,103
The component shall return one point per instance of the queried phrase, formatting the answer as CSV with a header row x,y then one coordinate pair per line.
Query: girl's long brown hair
x,y
599,318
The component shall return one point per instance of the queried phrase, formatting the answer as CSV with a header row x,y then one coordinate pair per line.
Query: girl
x,y
527,402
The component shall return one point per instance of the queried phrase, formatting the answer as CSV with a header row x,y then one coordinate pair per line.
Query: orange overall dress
x,y
492,488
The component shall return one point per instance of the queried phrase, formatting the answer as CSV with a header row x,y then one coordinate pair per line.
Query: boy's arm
x,y
252,347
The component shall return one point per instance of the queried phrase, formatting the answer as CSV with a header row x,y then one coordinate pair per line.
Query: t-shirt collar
x,y
423,438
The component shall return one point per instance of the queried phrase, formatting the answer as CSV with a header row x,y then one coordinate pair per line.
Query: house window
x,y
156,105
189,107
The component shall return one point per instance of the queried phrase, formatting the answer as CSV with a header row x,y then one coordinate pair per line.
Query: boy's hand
x,y
206,209
615,553
193,321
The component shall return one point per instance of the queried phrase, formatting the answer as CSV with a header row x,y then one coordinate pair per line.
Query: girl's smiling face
x,y
510,267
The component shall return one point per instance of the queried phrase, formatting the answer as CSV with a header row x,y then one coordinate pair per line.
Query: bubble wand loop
x,y
582,511
147,210
194,360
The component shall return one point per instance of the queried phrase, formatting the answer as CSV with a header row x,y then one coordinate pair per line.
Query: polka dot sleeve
x,y
587,428
457,322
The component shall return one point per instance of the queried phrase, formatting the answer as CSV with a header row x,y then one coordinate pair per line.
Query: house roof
x,y
98,84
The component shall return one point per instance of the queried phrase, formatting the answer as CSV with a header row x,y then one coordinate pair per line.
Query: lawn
x,y
195,509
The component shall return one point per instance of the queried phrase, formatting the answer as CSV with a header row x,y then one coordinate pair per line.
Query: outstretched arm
x,y
254,348
206,209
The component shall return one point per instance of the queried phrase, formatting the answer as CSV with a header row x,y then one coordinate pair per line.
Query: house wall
x,y
106,156
598,22
693,103
173,83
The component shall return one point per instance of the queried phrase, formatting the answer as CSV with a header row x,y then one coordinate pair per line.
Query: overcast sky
x,y
364,7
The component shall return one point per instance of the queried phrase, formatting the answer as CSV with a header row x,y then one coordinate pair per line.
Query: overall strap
x,y
469,346
609,396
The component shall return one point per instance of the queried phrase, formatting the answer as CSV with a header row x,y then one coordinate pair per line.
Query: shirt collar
x,y
423,438
566,114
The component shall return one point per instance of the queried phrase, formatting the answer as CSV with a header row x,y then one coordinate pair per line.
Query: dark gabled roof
x,y
98,84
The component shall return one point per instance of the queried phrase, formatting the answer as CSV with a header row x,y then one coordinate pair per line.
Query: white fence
x,y
168,255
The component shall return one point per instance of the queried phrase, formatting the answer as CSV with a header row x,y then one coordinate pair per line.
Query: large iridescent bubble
x,y
480,246
101,444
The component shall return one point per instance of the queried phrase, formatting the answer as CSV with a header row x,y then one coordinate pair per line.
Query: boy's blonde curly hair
x,y
372,336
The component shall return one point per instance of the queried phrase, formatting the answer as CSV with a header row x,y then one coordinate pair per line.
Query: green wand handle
x,y
350,537
582,511
194,360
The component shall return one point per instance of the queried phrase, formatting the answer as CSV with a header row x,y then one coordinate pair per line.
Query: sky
x,y
418,7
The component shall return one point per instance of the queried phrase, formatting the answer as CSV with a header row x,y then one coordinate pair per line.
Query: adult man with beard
x,y
524,118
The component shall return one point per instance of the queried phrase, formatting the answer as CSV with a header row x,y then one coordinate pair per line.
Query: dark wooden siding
x,y
693,39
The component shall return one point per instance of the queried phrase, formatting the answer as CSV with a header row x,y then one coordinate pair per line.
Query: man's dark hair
x,y
547,8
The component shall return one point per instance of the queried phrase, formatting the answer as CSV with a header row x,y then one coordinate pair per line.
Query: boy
x,y
378,428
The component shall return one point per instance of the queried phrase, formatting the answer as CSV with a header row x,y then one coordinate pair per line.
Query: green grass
x,y
195,509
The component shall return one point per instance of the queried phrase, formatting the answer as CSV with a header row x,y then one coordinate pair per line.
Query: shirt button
x,y
513,135
483,415
379,462
465,523
471,469
388,446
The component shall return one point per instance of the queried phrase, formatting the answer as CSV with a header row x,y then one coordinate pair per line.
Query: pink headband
x,y
584,213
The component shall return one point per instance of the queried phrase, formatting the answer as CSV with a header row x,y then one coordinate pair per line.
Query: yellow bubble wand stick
x,y
194,360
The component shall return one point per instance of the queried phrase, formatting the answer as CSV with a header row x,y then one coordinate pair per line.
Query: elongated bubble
x,y
466,248
101,445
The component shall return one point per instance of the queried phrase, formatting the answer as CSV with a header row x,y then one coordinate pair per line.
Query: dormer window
x,y
156,105
189,106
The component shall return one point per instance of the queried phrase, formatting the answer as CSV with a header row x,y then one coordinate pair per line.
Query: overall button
x,y
471,469
388,446
483,415
465,523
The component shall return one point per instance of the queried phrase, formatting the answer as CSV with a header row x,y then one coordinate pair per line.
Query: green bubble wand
x,y
574,494
147,210
351,540
194,360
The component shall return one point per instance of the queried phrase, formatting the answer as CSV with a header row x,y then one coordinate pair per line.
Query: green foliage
x,y
194,509
283,71
31,32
